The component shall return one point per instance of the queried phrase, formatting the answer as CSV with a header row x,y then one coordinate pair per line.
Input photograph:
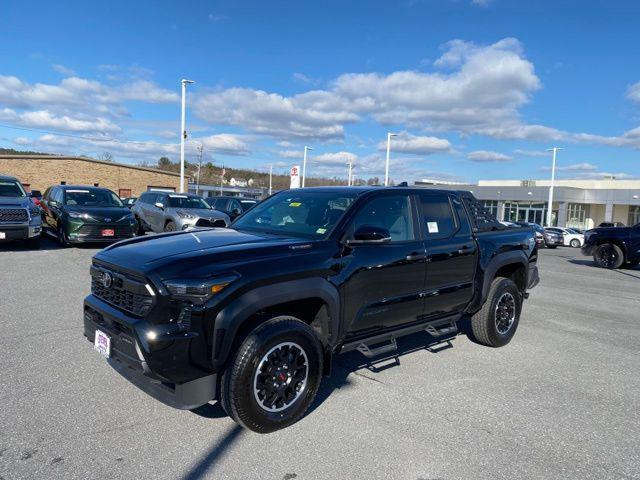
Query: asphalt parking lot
x,y
561,401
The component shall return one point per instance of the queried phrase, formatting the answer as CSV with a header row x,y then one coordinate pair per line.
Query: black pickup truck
x,y
613,247
252,315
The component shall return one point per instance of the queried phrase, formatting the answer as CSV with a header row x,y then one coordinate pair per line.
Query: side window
x,y
437,217
235,204
46,193
57,195
390,212
463,219
144,198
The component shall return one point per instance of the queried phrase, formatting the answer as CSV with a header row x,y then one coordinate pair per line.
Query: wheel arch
x,y
513,265
313,300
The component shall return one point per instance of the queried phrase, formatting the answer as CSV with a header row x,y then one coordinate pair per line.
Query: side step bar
x,y
386,342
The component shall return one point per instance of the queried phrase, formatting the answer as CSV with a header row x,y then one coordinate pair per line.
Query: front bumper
x,y
184,223
20,231
81,232
155,369
587,250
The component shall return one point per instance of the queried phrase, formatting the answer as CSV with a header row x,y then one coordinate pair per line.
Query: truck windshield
x,y
183,201
92,198
10,188
306,214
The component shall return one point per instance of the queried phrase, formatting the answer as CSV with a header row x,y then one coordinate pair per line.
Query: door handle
x,y
412,257
464,250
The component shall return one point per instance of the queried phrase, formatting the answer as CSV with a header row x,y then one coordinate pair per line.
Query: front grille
x,y
13,215
124,293
213,222
95,231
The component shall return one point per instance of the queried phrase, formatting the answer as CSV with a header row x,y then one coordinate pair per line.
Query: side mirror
x,y
160,205
368,234
236,211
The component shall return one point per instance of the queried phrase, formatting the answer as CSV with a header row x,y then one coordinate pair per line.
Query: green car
x,y
79,214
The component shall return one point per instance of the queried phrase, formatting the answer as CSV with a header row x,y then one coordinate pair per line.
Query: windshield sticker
x,y
321,230
295,204
178,196
432,227
78,191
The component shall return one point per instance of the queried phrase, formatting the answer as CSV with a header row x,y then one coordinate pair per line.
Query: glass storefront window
x,y
577,214
492,206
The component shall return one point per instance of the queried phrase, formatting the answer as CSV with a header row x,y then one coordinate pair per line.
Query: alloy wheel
x,y
281,377
505,313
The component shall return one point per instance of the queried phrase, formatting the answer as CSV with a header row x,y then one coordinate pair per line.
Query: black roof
x,y
81,187
7,177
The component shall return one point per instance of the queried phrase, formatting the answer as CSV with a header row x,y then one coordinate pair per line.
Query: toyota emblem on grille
x,y
107,219
106,279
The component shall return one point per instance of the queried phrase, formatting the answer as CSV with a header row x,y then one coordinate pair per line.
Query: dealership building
x,y
38,172
576,203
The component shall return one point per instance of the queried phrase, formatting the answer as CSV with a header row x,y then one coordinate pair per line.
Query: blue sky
x,y
475,89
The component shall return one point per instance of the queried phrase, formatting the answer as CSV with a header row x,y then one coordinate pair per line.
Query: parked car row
x,y
74,214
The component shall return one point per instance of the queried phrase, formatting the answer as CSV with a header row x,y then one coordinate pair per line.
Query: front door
x,y
451,254
383,282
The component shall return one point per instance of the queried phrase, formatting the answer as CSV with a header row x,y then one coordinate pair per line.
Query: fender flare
x,y
499,261
229,320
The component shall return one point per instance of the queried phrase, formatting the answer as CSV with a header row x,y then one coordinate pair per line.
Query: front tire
x,y
170,227
495,324
63,241
608,256
273,376
575,243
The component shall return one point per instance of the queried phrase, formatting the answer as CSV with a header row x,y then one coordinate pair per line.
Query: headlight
x,y
84,216
183,214
198,291
34,212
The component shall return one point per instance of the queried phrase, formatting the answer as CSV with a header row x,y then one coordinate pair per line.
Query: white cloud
x,y
44,119
224,143
333,158
407,143
291,153
485,156
61,69
633,93
532,153
21,141
308,115
574,167
217,17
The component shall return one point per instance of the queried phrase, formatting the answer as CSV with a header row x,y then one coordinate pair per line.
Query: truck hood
x,y
18,202
190,248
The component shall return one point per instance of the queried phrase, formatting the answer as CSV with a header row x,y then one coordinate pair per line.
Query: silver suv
x,y
167,212
20,218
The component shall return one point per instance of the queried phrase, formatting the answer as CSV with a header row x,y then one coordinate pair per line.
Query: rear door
x,y
383,282
451,254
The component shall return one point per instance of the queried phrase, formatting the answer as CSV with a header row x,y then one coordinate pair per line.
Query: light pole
x,y
350,165
270,176
183,131
386,167
304,164
553,178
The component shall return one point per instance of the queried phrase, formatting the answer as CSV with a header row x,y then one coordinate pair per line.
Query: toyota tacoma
x,y
252,315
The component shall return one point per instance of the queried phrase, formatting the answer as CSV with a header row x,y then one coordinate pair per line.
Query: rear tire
x,y
495,324
273,376
140,230
608,256
575,243
62,237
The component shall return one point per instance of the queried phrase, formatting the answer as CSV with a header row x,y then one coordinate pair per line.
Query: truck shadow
x,y
354,362
591,263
